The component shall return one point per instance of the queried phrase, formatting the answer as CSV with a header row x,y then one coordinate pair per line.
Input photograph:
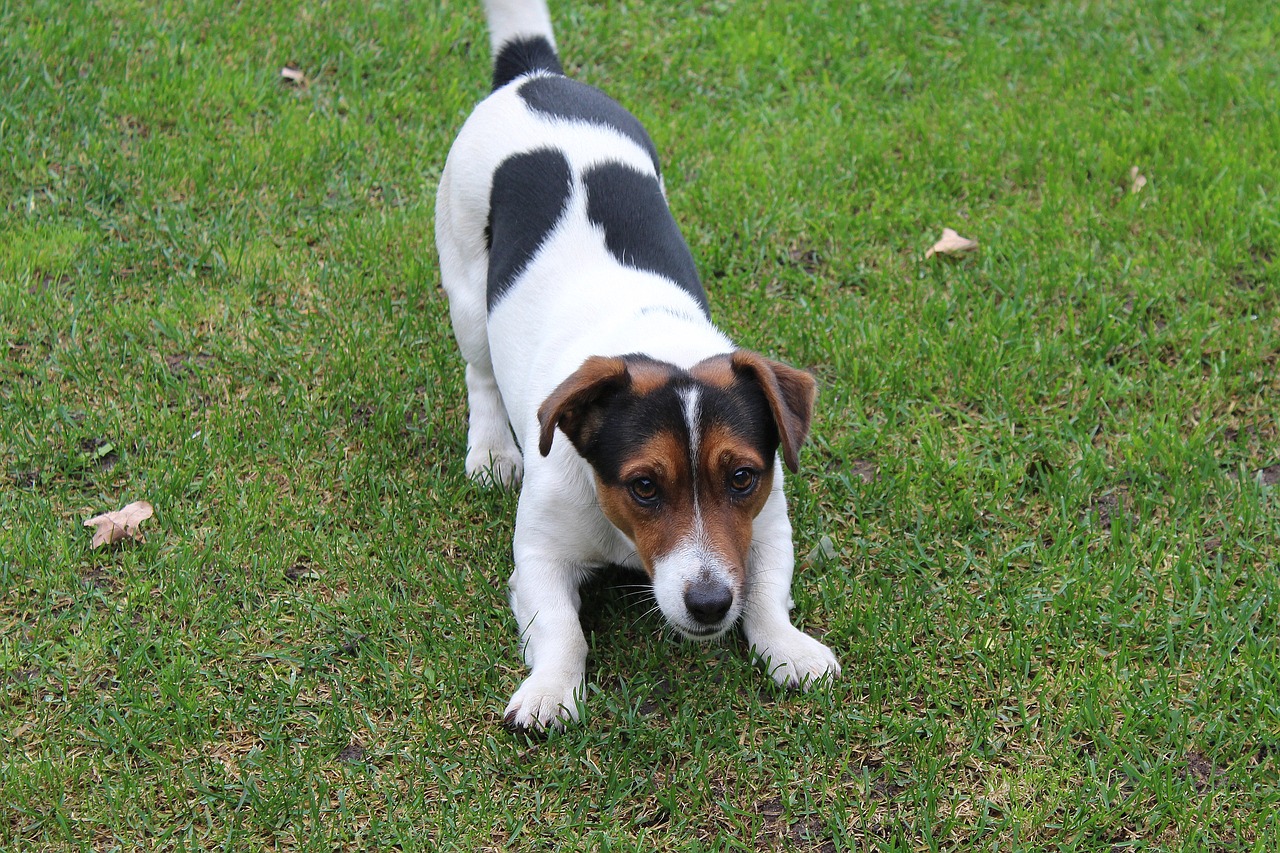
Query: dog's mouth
x,y
688,625
703,633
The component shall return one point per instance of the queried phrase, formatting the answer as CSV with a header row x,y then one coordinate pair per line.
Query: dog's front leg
x,y
792,657
544,596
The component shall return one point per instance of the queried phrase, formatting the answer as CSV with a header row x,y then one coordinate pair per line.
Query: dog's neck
x,y
671,333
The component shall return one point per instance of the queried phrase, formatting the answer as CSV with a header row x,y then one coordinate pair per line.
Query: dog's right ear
x,y
570,407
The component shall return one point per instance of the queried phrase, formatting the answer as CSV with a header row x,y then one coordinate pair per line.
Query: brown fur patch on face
x,y
727,516
648,376
655,530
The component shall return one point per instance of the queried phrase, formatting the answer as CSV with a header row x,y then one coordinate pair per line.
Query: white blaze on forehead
x,y
691,398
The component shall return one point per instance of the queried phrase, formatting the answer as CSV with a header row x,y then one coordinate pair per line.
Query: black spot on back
x,y
639,229
568,99
529,195
520,56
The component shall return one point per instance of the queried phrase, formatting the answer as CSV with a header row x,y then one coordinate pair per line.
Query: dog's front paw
x,y
544,702
490,466
794,659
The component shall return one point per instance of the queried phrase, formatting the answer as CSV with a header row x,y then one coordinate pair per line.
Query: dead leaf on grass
x,y
951,244
111,527
824,550
1137,180
292,74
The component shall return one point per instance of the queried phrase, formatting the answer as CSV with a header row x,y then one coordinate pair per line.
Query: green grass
x,y
1047,471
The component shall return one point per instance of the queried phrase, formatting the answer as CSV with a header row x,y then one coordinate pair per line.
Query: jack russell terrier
x,y
649,440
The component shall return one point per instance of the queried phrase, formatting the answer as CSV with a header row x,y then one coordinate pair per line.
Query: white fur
x,y
574,301
512,19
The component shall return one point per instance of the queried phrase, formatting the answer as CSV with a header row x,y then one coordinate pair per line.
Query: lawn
x,y
1039,519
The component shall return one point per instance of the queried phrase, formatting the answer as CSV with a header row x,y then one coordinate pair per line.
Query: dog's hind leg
x,y
493,458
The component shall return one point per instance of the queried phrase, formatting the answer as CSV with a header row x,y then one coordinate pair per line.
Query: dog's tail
x,y
522,40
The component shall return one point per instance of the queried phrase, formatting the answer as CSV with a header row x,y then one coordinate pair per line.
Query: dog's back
x,y
556,138
552,212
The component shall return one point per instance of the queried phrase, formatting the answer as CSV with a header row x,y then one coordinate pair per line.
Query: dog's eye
x,y
644,491
743,481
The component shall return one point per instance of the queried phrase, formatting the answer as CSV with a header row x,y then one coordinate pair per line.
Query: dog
x,y
643,436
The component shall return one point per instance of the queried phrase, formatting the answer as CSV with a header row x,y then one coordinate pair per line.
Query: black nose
x,y
708,601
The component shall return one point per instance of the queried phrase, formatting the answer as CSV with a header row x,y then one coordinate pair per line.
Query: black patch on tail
x,y
568,99
520,56
529,195
639,230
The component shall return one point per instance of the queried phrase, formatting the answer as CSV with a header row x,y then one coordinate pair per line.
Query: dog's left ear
x,y
570,406
790,394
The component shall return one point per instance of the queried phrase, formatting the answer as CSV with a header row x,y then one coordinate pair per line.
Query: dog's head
x,y
684,463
